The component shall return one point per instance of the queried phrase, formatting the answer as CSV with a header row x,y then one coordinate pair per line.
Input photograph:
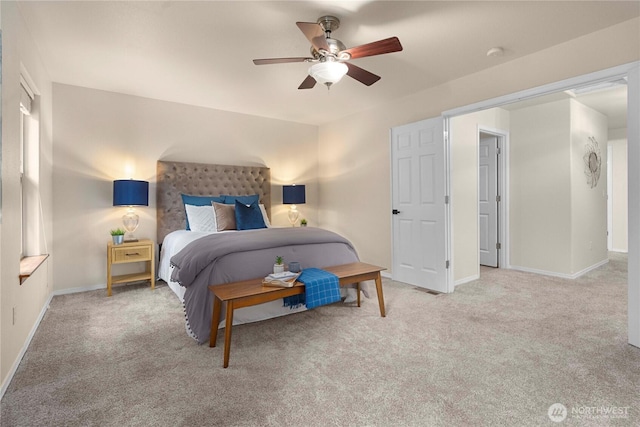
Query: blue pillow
x,y
249,217
199,201
247,200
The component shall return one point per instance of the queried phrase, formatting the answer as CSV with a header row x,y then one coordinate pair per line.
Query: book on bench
x,y
286,279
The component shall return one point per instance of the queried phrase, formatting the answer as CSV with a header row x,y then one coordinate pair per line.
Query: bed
x,y
201,258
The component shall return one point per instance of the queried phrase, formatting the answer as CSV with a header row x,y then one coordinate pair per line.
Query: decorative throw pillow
x,y
247,200
188,199
225,216
249,217
201,218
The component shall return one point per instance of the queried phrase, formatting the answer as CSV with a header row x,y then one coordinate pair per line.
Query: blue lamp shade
x,y
129,192
293,194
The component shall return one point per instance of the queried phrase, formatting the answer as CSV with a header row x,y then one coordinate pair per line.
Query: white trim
x,y
386,275
571,83
448,223
633,159
391,225
27,82
620,251
466,280
560,275
94,288
80,289
24,348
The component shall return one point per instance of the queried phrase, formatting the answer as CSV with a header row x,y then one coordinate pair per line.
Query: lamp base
x,y
130,221
293,215
131,240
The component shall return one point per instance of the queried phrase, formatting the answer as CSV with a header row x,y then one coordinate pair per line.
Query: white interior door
x,y
488,199
418,193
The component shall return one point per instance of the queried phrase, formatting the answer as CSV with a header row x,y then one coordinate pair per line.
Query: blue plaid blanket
x,y
321,288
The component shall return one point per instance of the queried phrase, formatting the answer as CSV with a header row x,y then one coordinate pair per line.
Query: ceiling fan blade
x,y
280,60
389,45
361,75
315,34
308,83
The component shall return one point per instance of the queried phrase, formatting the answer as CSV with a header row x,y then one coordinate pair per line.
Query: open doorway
x,y
551,216
465,255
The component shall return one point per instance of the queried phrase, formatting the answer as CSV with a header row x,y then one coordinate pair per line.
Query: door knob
x,y
395,211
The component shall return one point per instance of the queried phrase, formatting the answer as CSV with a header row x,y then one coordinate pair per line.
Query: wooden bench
x,y
251,292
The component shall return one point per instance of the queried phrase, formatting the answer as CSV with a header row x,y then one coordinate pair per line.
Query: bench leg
x,y
380,295
358,291
227,333
215,321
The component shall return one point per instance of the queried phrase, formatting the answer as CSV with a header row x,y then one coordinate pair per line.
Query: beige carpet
x,y
497,352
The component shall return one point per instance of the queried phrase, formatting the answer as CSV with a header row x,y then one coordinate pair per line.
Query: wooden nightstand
x,y
139,251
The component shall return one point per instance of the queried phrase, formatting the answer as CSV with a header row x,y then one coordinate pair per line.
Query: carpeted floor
x,y
497,352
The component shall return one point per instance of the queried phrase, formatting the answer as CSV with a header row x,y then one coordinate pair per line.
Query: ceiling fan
x,y
330,55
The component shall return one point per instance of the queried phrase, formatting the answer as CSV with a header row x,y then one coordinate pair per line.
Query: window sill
x,y
29,264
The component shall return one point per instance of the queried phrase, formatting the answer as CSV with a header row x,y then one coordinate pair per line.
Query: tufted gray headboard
x,y
199,179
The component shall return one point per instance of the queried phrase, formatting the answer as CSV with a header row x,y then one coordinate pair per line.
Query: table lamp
x,y
129,192
293,195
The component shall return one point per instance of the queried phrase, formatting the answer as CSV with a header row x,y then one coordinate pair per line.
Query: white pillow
x,y
201,218
264,215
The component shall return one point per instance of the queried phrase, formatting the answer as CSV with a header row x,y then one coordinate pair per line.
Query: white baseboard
x,y
560,275
16,363
622,251
80,289
466,280
386,274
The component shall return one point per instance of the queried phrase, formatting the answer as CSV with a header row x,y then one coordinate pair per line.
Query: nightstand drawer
x,y
132,254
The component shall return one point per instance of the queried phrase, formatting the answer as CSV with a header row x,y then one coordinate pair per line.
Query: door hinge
x,y
498,246
498,199
498,150
447,264
446,200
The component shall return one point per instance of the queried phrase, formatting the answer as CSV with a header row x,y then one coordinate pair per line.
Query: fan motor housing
x,y
335,47
329,23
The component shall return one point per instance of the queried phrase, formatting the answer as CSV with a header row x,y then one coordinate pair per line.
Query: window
x,y
32,245
26,147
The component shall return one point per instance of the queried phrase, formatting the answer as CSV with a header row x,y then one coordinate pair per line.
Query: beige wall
x,y
540,188
29,298
546,152
101,136
619,185
358,204
588,205
464,187
558,223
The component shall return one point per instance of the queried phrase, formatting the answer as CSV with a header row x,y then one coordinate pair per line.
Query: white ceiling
x,y
200,53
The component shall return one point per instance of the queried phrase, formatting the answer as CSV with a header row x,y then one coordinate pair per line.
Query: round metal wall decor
x,y
592,162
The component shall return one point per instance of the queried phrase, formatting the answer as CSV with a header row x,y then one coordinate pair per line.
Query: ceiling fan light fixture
x,y
328,72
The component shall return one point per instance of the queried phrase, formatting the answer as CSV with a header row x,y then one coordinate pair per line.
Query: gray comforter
x,y
229,257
